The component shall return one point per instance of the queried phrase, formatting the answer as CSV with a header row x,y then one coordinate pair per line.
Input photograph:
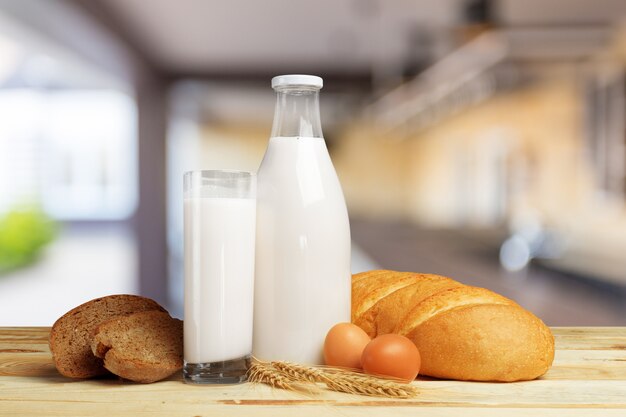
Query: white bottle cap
x,y
297,80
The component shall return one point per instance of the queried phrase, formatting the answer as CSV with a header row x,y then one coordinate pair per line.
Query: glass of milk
x,y
220,222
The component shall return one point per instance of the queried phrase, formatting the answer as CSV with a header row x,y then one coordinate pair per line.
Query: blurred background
x,y
483,140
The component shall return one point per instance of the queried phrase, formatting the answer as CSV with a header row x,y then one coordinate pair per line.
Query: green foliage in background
x,y
23,233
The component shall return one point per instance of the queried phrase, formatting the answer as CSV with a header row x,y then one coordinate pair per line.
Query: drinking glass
x,y
219,235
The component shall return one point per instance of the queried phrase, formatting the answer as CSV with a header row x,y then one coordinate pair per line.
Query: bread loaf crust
x,y
375,287
390,308
462,332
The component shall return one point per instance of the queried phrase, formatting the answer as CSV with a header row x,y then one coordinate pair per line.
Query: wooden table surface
x,y
588,378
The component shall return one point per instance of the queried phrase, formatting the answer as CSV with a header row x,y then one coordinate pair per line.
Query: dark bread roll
x,y
71,335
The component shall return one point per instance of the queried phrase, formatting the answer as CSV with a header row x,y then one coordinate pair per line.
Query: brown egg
x,y
344,345
392,355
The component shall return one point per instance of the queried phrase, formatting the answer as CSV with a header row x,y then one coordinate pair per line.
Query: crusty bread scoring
x,y
142,347
462,332
71,335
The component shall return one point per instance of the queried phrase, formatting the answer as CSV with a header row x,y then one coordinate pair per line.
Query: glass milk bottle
x,y
302,272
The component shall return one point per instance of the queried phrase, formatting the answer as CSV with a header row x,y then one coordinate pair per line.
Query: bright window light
x,y
71,151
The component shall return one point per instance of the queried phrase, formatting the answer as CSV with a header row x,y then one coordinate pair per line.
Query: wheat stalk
x,y
372,386
299,372
335,379
266,374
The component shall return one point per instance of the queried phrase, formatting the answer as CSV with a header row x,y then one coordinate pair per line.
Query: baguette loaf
x,y
71,335
462,332
142,347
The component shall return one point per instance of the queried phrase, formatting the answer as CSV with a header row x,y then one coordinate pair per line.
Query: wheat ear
x,y
345,381
266,374
365,385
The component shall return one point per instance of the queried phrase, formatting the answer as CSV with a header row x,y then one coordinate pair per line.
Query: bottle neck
x,y
297,113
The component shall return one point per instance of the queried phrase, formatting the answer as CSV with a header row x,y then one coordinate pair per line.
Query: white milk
x,y
302,273
218,313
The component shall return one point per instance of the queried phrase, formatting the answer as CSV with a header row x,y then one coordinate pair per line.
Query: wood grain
x,y
588,379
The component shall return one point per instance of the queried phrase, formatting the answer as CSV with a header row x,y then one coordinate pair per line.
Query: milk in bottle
x,y
302,272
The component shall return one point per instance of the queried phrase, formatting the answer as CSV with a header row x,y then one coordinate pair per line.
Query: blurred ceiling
x,y
368,44
211,37
345,36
